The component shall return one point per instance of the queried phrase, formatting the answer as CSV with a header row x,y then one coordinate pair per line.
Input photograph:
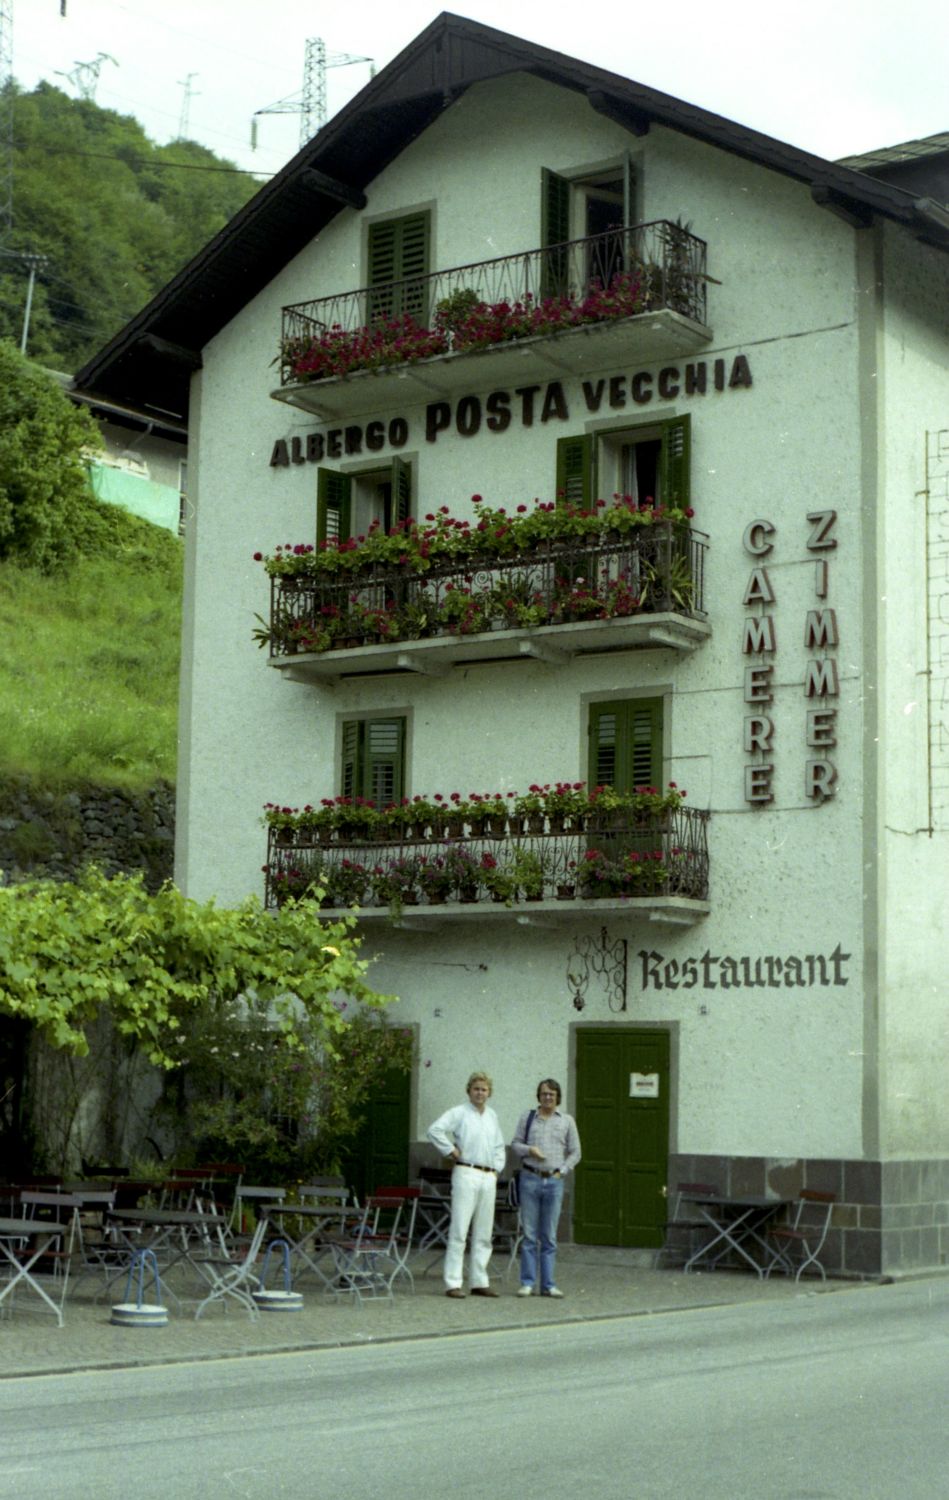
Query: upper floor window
x,y
398,251
586,207
373,759
348,504
626,743
650,463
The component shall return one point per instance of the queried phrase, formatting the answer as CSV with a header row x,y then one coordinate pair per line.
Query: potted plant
x,y
346,883
528,870
597,876
295,882
396,883
529,807
566,805
499,880
437,879
282,821
490,813
466,872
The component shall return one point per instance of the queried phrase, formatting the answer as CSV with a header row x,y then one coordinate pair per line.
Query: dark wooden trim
x,y
329,187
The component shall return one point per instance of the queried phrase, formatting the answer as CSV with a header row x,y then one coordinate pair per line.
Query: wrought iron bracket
x,y
605,961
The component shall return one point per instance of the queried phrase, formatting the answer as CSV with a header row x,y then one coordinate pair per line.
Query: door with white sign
x,y
623,1120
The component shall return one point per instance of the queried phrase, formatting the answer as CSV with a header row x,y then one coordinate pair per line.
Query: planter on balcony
x,y
651,274
646,588
661,860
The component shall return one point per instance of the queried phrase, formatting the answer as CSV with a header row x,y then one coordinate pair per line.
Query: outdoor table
x,y
736,1224
175,1233
43,1231
306,1240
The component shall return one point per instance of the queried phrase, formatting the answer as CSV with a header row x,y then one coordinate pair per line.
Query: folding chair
x,y
235,1278
683,1225
253,1194
434,1211
100,1253
367,1265
401,1243
507,1224
57,1208
800,1242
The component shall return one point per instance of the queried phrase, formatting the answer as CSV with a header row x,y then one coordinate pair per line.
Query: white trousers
x,y
472,1204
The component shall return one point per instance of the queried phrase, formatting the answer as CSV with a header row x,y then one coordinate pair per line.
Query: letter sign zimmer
x,y
759,644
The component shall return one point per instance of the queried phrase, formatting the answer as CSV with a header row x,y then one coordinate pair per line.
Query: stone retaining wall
x,y
51,835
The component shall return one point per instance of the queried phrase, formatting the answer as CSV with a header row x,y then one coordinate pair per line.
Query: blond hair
x,y
480,1078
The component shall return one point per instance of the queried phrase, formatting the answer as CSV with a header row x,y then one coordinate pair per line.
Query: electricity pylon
x,y
310,105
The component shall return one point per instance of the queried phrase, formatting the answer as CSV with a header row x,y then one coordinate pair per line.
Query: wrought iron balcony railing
x,y
642,268
625,858
658,569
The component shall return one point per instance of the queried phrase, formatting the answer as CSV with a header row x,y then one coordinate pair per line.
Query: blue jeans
x,y
541,1198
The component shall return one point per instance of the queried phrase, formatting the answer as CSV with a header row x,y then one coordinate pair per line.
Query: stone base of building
x,y
891,1217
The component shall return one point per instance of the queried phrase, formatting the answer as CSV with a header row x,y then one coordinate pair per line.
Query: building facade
x,y
501,280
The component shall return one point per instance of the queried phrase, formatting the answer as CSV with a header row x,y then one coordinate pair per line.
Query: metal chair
x,y
434,1211
507,1223
797,1245
682,1226
57,1208
254,1195
368,1264
234,1278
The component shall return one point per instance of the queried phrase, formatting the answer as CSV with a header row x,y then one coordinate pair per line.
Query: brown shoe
x,y
484,1291
454,1291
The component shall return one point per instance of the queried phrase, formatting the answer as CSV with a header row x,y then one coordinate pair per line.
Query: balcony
x,y
529,873
627,297
559,601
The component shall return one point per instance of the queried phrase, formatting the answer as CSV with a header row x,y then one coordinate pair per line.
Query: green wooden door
x,y
623,1120
378,1155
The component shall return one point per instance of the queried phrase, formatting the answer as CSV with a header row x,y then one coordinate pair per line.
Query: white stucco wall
x,y
913,848
779,1071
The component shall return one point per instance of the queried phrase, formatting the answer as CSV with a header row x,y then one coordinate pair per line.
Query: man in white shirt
x,y
470,1136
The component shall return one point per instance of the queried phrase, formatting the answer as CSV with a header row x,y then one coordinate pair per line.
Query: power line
x,y
138,161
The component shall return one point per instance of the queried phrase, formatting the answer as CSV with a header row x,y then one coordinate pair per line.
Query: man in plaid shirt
x,y
548,1147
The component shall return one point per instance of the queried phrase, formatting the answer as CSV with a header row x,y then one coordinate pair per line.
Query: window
x,y
373,759
397,254
626,744
649,463
347,504
594,207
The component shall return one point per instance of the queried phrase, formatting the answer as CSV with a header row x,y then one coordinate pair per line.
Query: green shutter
x,y
349,778
629,191
554,231
401,491
398,251
383,760
675,462
626,744
333,505
575,457
373,759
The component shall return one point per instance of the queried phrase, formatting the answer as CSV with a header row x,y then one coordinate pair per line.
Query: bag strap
x,y
527,1127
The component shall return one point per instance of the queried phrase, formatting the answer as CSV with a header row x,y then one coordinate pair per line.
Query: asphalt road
x,y
839,1397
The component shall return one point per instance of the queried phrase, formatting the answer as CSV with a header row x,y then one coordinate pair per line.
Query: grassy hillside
x,y
89,669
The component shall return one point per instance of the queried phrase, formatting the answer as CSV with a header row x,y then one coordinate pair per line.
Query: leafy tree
x,y
240,1093
114,214
44,483
155,962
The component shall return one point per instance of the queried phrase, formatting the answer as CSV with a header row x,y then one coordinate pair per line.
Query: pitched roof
x,y
149,362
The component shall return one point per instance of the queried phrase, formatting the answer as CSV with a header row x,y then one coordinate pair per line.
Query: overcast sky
x,y
832,76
